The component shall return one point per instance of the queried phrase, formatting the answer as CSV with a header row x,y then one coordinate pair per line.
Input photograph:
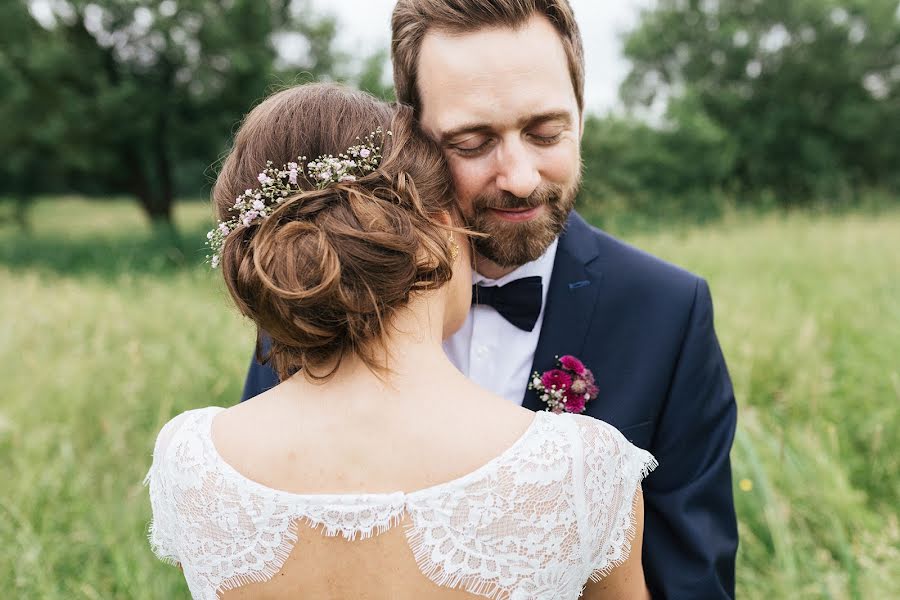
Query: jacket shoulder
x,y
629,268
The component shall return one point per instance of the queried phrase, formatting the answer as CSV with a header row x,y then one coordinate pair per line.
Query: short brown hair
x,y
413,19
323,274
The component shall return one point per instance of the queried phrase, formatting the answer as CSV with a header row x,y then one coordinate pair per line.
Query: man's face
x,y
501,103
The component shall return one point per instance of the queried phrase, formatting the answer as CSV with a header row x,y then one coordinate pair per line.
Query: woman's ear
x,y
443,217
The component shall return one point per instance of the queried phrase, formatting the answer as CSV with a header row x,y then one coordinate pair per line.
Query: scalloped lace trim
x,y
534,523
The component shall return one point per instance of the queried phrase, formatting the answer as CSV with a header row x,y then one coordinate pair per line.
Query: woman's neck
x,y
413,355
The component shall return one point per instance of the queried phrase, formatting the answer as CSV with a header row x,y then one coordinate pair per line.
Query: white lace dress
x,y
536,522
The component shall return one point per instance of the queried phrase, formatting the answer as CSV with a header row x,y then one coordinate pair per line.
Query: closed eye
x,y
473,150
546,139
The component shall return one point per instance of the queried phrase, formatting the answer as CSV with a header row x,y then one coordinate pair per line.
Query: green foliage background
x,y
114,97
757,102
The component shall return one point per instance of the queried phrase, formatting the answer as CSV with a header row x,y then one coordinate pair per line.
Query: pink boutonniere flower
x,y
567,388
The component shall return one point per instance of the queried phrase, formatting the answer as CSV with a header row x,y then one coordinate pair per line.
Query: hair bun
x,y
325,271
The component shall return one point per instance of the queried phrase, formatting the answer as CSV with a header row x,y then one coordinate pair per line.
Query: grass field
x,y
106,334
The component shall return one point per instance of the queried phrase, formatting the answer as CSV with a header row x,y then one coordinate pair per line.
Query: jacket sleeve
x,y
260,377
690,525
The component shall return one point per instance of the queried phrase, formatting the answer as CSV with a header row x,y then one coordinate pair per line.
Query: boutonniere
x,y
567,388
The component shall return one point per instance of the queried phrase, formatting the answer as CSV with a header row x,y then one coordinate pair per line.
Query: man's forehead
x,y
496,77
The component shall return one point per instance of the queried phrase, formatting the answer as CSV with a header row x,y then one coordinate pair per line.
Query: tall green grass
x,y
107,332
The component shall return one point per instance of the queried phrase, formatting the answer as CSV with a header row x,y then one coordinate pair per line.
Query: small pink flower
x,y
364,152
575,403
572,364
248,217
566,389
556,378
292,176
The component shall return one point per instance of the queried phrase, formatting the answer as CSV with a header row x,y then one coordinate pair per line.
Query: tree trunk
x,y
156,205
20,211
166,191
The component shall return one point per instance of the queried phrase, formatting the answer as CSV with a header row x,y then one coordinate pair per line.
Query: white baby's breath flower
x,y
276,184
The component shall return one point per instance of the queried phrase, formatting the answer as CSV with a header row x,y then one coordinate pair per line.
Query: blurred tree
x,y
29,116
627,156
807,92
128,91
373,78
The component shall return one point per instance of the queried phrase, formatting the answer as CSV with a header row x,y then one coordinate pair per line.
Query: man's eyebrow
x,y
551,115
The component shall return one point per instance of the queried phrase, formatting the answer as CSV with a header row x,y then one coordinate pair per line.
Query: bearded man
x,y
500,85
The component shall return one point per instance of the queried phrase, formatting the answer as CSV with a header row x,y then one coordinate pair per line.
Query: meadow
x,y
108,329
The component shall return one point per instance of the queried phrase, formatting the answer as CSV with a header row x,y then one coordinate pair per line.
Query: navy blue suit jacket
x,y
645,329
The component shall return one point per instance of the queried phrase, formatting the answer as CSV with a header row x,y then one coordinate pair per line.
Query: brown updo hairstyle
x,y
324,274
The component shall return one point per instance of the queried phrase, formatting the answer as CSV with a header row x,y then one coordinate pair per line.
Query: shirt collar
x,y
542,266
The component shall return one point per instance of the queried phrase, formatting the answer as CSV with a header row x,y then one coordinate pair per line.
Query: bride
x,y
375,470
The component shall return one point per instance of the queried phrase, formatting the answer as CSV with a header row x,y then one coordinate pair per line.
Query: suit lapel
x,y
574,287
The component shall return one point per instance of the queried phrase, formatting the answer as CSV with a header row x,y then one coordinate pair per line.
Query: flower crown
x,y
275,185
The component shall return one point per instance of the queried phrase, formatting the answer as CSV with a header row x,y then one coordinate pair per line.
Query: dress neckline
x,y
205,430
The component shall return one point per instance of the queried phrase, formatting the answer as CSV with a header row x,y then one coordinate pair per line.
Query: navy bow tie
x,y
519,301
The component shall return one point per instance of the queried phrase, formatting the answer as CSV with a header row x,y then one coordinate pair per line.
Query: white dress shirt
x,y
490,350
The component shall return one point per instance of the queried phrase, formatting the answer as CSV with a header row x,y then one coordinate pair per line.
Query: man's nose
x,y
517,172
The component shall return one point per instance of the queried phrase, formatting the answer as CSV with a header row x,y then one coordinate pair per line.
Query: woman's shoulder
x,y
182,421
604,447
183,426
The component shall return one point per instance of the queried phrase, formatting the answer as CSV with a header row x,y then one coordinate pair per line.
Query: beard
x,y
509,244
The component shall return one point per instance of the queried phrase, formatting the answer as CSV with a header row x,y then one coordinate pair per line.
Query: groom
x,y
499,84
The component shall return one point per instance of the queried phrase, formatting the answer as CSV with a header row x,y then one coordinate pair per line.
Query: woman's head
x,y
324,275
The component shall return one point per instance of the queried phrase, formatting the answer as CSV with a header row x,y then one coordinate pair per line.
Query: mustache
x,y
545,195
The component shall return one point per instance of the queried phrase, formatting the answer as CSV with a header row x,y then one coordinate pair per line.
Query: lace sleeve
x,y
613,470
163,526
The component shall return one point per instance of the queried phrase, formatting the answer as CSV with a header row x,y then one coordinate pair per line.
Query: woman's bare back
x,y
300,445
